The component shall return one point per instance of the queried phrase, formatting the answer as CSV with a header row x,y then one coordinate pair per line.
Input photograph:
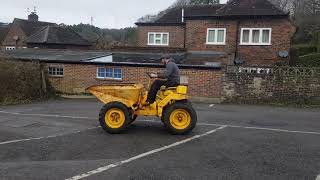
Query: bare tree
x,y
181,3
205,2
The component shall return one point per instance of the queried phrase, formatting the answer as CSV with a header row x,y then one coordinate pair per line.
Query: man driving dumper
x,y
169,78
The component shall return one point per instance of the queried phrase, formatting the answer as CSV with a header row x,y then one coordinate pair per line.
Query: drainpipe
x,y
182,15
236,54
184,28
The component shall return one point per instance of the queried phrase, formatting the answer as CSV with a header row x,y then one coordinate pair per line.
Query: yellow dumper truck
x,y
125,102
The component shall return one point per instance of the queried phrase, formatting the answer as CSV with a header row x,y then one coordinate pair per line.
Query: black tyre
x,y
133,118
114,117
180,118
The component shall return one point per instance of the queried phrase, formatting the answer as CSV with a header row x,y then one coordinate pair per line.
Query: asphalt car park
x,y
62,140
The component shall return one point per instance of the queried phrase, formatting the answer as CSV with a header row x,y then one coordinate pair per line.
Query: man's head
x,y
165,59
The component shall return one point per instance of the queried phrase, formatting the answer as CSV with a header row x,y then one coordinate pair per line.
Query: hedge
x,y
304,49
22,82
310,60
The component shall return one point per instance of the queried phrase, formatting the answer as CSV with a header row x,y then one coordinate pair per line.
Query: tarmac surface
x,y
62,140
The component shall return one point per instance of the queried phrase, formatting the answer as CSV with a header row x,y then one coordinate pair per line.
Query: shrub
x,y
21,82
310,60
304,49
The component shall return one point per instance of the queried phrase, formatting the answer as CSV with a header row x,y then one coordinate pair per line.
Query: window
x,y
216,36
10,48
109,73
255,36
55,71
158,39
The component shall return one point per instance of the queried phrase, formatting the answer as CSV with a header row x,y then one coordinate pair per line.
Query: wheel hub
x,y
115,118
180,119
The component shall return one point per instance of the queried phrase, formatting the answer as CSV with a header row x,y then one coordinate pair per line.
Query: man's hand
x,y
153,75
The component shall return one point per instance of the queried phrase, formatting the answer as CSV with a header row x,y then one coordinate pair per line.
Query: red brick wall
x,y
14,30
176,35
202,83
282,30
196,33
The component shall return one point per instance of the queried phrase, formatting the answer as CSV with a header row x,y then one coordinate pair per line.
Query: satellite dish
x,y
238,61
283,54
16,38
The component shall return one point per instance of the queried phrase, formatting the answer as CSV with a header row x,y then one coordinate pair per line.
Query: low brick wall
x,y
77,77
231,84
266,85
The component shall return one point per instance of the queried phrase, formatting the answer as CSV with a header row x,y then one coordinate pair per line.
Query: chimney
x,y
33,17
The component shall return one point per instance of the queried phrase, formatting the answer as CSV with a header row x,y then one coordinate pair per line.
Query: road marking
x,y
45,115
211,105
45,137
261,128
318,177
201,124
107,167
248,127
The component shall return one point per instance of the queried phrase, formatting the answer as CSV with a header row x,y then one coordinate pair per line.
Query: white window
x,y
216,36
56,71
158,39
255,36
10,48
109,73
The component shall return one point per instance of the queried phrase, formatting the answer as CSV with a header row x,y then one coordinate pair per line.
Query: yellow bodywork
x,y
134,97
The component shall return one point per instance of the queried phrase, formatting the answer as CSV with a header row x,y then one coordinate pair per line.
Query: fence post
x,y
43,78
293,57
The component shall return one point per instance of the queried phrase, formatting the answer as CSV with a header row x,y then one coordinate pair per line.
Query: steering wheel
x,y
149,74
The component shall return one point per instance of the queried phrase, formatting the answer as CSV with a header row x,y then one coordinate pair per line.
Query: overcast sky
x,y
105,13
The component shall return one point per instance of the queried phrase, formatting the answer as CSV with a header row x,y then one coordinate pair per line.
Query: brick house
x,y
3,32
32,33
253,32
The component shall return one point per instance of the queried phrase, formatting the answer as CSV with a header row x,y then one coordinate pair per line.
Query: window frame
x,y
154,42
216,36
56,71
105,73
260,43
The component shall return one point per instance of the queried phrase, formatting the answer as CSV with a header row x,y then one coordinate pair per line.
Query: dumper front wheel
x,y
180,118
114,117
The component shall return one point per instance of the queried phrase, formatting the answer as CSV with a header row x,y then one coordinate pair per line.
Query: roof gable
x,y
250,7
239,8
57,35
174,15
29,27
3,32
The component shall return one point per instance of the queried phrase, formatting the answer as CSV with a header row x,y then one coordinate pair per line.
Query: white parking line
x,y
45,115
248,127
46,137
261,128
318,177
107,167
201,124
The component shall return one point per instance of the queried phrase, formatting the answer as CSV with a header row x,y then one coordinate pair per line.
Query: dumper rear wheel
x,y
180,118
114,117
